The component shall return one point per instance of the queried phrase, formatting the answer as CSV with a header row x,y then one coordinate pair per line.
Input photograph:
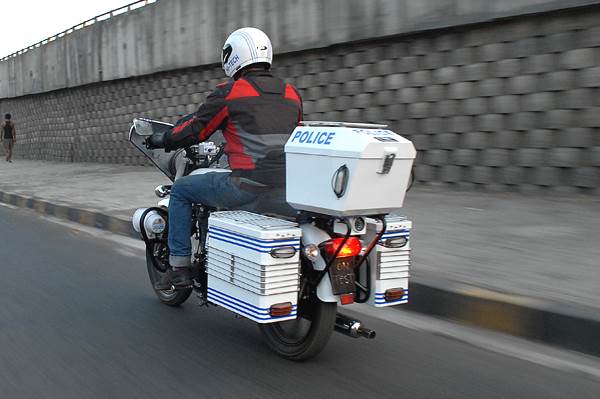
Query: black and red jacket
x,y
257,113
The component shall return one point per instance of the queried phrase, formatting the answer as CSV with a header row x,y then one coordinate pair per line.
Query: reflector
x,y
347,299
283,252
396,242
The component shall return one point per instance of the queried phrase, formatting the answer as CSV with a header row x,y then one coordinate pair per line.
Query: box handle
x,y
339,182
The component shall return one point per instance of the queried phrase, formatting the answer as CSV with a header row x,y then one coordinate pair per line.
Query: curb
x,y
567,326
98,220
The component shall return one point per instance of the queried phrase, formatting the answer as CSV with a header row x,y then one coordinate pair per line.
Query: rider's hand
x,y
157,140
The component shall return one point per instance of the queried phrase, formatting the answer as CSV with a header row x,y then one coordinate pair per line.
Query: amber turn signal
x,y
394,294
281,309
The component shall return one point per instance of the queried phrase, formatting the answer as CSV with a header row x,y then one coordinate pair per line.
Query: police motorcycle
x,y
289,269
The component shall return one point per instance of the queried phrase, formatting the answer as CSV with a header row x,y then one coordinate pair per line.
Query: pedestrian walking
x,y
8,136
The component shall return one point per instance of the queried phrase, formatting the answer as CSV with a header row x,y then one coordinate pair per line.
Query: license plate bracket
x,y
341,274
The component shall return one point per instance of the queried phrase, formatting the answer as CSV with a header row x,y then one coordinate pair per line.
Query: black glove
x,y
157,140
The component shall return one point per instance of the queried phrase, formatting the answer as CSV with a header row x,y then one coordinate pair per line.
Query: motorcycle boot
x,y
178,278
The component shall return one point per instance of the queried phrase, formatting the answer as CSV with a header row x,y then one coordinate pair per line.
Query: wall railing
x,y
91,21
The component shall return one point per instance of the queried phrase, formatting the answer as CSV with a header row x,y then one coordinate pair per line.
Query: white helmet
x,y
245,47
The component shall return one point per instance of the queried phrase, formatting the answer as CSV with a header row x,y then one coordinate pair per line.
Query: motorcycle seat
x,y
272,203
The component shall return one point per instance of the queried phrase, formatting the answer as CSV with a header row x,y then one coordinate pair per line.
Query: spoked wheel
x,y
168,297
304,337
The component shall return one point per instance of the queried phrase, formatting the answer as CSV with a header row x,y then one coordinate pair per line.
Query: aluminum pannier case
x,y
390,261
254,265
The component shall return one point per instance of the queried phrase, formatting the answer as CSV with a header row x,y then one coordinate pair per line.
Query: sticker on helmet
x,y
227,50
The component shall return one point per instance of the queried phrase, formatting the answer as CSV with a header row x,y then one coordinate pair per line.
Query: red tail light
x,y
352,247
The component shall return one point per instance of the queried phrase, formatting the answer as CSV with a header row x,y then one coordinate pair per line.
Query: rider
x,y
256,112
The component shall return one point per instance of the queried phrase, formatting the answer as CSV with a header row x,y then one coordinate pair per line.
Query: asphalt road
x,y
78,319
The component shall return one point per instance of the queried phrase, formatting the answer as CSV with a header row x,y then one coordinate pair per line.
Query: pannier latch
x,y
388,161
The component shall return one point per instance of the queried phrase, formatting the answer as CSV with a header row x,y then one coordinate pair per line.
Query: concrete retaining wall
x,y
175,34
511,104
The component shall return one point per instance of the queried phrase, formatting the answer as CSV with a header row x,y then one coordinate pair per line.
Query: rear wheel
x,y
168,297
304,337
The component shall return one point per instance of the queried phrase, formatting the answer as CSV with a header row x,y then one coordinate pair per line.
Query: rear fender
x,y
314,235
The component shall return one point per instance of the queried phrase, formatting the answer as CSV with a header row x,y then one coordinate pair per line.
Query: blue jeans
x,y
212,189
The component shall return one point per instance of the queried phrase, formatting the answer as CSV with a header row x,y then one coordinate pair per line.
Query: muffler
x,y
352,327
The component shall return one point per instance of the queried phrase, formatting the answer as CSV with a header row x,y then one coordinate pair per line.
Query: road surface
x,y
78,319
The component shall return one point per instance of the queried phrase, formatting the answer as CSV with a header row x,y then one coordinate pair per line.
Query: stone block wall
x,y
510,105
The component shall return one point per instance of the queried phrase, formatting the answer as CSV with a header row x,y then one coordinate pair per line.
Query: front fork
x,y
199,235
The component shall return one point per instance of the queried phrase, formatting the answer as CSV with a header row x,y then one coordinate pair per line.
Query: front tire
x,y
168,297
302,338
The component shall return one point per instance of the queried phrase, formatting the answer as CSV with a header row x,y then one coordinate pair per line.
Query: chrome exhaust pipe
x,y
352,327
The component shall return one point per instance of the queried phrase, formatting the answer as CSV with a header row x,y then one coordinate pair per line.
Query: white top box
x,y
345,169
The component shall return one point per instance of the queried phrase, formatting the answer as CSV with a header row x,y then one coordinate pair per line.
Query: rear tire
x,y
297,340
168,297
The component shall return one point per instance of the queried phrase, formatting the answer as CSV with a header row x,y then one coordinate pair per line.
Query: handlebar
x,y
218,155
204,161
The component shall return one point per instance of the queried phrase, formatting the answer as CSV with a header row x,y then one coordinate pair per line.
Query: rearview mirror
x,y
143,127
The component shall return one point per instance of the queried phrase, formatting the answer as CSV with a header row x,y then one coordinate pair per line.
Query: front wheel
x,y
302,338
168,297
